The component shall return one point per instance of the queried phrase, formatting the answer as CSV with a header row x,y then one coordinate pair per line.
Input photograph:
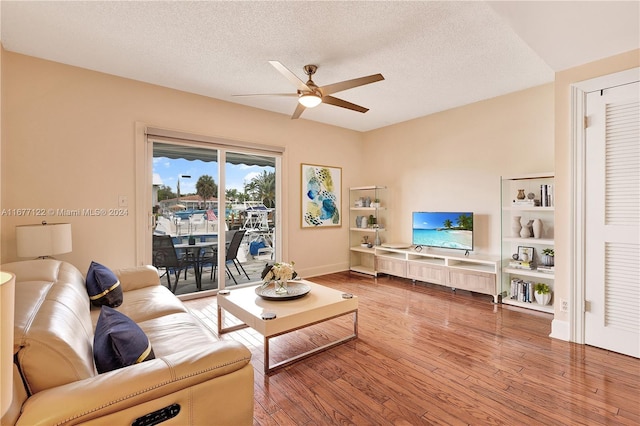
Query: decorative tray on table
x,y
295,290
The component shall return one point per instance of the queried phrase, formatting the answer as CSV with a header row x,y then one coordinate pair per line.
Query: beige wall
x,y
564,80
68,139
1,157
68,143
453,160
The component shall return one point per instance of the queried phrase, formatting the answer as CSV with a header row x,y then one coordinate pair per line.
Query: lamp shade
x,y
43,240
7,296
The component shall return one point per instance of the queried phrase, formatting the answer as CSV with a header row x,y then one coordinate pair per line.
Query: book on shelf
x,y
519,264
526,203
546,195
521,290
546,269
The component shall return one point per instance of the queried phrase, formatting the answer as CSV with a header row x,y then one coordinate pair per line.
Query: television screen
x,y
452,230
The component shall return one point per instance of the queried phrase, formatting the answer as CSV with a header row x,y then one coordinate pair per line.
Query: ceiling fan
x,y
310,95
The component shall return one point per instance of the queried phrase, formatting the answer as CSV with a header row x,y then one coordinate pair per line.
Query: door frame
x,y
144,220
577,280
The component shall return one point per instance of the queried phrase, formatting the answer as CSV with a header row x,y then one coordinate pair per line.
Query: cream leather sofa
x,y
196,378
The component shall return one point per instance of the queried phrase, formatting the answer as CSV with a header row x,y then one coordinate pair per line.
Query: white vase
x,y
537,228
542,299
515,226
525,232
364,222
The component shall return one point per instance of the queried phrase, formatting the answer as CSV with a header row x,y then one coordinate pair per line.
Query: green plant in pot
x,y
542,293
548,257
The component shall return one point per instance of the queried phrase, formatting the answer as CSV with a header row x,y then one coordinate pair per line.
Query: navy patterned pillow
x,y
119,342
103,286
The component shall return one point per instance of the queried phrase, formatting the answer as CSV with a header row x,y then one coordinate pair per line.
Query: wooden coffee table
x,y
319,305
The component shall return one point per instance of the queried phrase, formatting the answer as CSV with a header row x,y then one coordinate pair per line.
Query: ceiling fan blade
x,y
299,109
269,94
300,85
344,104
349,84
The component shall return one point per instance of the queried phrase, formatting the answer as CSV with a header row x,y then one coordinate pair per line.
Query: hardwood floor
x,y
426,355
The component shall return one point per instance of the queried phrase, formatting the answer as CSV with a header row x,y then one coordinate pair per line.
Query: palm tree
x,y
263,188
447,223
233,195
465,222
206,188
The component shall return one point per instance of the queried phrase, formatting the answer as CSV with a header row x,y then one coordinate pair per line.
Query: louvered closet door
x,y
612,320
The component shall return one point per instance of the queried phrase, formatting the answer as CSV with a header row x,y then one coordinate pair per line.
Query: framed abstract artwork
x,y
321,196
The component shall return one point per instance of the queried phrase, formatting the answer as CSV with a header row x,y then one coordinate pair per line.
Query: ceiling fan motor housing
x,y
310,70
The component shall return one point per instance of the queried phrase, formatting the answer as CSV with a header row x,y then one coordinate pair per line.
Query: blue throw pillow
x,y
119,342
103,286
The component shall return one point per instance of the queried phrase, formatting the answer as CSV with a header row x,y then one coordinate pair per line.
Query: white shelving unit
x,y
362,259
543,210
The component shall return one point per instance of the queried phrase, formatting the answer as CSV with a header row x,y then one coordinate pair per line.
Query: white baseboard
x,y
327,269
560,330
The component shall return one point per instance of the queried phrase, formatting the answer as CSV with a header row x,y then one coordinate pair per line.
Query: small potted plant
x,y
376,203
542,293
548,257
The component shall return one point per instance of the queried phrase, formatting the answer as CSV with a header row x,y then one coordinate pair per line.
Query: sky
x,y
431,220
168,170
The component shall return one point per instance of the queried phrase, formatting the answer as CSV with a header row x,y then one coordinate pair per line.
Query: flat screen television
x,y
450,230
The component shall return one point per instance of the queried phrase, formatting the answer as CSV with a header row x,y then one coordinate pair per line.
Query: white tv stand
x,y
474,272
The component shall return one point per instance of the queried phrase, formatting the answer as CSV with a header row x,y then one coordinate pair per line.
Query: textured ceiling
x,y
433,55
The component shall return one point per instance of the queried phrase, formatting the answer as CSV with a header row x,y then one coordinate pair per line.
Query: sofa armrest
x,y
200,381
138,277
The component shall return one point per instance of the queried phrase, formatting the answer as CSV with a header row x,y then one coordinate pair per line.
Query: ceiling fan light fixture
x,y
310,100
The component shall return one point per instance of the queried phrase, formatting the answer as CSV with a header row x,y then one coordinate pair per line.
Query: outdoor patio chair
x,y
228,237
165,257
196,221
209,257
231,256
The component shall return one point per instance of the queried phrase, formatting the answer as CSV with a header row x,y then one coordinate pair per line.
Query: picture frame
x,y
529,251
320,195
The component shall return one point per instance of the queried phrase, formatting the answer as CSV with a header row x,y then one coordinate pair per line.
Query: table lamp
x,y
42,241
7,296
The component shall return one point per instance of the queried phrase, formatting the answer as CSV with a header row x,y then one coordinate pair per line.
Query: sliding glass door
x,y
213,226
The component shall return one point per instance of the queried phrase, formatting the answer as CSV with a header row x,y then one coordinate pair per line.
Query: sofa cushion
x,y
146,303
165,331
119,342
103,286
151,302
137,277
53,325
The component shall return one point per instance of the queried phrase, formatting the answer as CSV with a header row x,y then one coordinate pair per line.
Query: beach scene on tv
x,y
452,230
